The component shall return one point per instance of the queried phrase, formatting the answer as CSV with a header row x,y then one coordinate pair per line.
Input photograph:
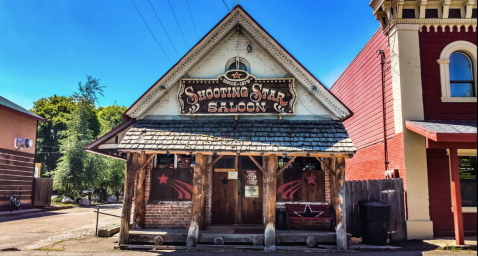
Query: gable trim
x,y
240,16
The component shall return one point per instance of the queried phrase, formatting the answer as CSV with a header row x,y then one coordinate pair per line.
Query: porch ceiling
x,y
244,136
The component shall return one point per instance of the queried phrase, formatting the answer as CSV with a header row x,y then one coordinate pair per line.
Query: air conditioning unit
x,y
20,144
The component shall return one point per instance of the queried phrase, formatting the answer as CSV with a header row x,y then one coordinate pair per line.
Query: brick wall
x,y
440,197
368,163
431,45
168,215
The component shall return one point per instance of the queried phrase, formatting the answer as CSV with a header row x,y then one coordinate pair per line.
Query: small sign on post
x,y
232,175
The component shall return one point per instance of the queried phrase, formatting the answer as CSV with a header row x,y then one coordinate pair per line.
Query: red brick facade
x,y
368,163
431,45
168,215
440,197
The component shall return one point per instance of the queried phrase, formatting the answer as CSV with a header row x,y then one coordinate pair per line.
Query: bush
x,y
57,199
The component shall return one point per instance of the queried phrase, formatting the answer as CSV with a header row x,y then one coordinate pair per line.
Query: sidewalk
x,y
17,212
444,242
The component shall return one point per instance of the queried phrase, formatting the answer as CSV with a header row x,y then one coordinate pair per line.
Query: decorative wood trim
x,y
257,164
286,165
184,162
267,42
210,165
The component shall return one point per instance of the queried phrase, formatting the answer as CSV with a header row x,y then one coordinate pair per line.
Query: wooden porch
x,y
264,235
231,235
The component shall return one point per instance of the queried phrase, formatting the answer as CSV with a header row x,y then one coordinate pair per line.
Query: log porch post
x,y
270,191
339,199
140,197
199,194
456,197
131,163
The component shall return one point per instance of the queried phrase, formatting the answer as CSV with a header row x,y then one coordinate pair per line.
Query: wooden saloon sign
x,y
237,93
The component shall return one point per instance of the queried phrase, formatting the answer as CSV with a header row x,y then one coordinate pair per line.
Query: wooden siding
x,y
440,197
16,172
431,45
360,89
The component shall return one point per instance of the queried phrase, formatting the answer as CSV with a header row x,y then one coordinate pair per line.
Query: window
x,y
457,72
238,63
454,14
408,14
241,66
468,181
461,75
474,14
431,14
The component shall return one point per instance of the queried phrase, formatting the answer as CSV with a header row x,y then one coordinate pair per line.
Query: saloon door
x,y
225,201
251,194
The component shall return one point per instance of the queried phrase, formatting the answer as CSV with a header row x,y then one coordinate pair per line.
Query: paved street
x,y
71,232
38,230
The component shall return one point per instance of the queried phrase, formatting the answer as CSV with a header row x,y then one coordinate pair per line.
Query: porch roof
x,y
244,136
445,131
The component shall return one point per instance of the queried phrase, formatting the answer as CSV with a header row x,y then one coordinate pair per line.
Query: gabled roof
x,y
10,106
238,16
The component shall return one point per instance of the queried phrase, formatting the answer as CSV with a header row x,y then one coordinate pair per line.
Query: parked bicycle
x,y
15,200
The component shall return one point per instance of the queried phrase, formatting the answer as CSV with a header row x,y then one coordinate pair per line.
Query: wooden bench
x,y
311,212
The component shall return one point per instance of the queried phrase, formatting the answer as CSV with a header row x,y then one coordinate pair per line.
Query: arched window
x,y
458,62
238,63
462,81
241,66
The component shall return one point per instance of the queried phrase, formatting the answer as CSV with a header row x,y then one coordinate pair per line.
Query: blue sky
x,y
47,46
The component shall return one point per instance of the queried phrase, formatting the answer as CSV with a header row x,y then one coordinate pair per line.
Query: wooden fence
x,y
389,191
43,189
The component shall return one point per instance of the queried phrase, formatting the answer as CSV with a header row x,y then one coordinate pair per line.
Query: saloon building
x,y
236,131
413,91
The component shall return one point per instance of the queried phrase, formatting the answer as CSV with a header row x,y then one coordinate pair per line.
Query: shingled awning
x,y
244,136
445,131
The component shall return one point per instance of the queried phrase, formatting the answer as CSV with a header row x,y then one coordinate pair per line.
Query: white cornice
x,y
196,54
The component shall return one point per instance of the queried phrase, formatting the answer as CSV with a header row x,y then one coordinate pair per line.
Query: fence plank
x,y
349,195
401,221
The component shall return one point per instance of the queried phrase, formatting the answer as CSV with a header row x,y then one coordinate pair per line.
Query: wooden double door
x,y
237,201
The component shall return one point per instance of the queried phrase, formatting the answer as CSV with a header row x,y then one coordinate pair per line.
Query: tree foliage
x,y
76,169
55,110
110,176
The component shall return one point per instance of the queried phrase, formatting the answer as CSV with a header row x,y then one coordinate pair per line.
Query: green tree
x,y
76,169
110,176
55,110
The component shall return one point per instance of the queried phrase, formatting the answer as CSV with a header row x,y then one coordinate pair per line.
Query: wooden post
x,y
339,203
197,202
140,197
132,161
270,191
456,197
202,218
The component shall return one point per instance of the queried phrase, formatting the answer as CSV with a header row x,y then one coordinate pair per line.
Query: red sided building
x,y
413,92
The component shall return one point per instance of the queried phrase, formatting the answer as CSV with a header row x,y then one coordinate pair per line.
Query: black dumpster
x,y
374,222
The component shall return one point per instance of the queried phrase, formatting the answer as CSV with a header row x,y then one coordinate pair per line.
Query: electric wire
x,y
177,22
190,14
163,28
228,10
151,31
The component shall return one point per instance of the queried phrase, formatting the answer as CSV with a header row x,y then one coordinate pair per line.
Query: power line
x,y
178,24
151,31
190,14
163,27
226,6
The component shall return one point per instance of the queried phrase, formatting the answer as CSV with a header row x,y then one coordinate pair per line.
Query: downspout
x,y
384,110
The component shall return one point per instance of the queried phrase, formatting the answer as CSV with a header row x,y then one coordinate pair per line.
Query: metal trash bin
x,y
374,222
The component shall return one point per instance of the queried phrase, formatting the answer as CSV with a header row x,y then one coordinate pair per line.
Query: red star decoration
x,y
163,179
237,75
311,179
